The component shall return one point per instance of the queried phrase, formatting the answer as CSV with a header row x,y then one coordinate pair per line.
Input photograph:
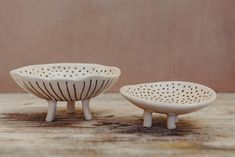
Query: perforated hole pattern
x,y
171,92
65,71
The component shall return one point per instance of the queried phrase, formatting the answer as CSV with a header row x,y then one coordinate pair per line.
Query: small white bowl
x,y
172,98
66,82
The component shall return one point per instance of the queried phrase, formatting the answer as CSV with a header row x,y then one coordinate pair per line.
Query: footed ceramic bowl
x,y
66,82
172,98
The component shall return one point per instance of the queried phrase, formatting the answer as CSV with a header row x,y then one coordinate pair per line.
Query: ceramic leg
x,y
86,109
147,119
51,110
171,119
71,107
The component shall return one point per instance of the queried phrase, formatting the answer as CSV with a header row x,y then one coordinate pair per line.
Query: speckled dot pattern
x,y
65,71
171,92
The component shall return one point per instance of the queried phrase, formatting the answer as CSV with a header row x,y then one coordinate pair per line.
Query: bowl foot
x,y
171,120
71,107
86,109
147,119
51,110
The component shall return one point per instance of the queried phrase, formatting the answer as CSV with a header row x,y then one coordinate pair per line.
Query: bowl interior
x,y
58,71
171,92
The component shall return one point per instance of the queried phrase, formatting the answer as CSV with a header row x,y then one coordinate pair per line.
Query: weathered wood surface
x,y
115,131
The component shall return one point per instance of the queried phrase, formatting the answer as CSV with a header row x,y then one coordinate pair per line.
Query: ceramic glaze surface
x,y
66,82
172,97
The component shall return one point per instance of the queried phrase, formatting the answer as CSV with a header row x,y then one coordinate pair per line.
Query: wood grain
x,y
150,40
115,131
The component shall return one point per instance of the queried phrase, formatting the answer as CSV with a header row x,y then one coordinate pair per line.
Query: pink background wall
x,y
149,40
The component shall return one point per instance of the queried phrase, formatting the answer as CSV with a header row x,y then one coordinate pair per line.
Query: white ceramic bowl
x,y
172,98
66,82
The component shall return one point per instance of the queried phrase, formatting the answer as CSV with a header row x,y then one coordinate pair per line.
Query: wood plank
x,y
116,130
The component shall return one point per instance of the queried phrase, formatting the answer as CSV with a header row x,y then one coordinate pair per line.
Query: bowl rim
x,y
15,72
164,104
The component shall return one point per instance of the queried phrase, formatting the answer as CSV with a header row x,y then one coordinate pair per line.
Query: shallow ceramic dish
x,y
66,82
172,98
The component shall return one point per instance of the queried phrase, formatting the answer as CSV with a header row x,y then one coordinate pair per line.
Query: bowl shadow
x,y
111,124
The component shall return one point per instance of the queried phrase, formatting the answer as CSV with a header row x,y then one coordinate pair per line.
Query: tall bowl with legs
x,y
69,82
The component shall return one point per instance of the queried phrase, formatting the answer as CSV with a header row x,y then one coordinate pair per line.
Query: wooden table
x,y
115,131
